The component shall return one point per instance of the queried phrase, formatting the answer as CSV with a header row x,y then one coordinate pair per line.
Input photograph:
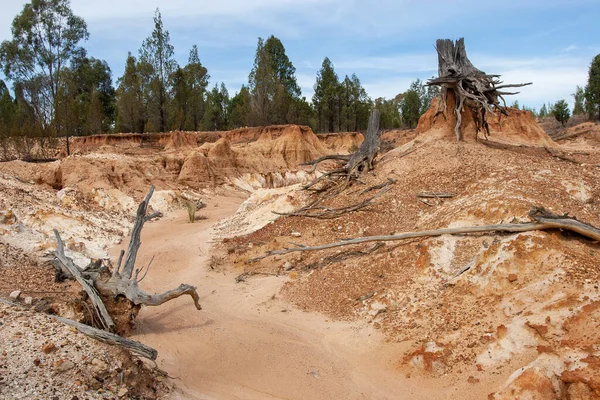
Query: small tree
x,y
543,111
592,90
411,106
158,52
325,99
561,112
579,97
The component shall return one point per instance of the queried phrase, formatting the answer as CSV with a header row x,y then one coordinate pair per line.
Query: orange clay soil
x,y
249,342
477,307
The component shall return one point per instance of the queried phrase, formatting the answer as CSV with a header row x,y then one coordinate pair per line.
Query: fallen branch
x,y
98,334
390,181
110,338
543,220
321,212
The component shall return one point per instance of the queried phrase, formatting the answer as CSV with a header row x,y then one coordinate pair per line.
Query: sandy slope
x,y
249,344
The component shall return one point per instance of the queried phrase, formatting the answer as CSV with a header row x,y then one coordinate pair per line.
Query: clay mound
x,y
586,133
179,140
292,146
342,142
520,127
41,173
196,170
396,138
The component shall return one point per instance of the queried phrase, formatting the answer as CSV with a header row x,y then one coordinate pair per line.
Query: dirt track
x,y
247,343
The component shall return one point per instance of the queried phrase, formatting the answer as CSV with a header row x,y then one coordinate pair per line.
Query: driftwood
x,y
542,220
125,282
135,347
122,281
473,88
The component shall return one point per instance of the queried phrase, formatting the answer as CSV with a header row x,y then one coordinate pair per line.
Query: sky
x,y
386,43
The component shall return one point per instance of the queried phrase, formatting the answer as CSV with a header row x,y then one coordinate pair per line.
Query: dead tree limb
x,y
90,289
357,162
542,220
349,169
322,212
135,347
471,87
126,282
441,195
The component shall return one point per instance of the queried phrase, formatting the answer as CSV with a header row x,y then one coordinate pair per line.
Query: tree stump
x,y
479,92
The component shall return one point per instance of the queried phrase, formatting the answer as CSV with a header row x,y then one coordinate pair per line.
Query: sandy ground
x,y
249,344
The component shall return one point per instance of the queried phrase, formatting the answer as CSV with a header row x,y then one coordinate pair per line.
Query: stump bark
x,y
472,88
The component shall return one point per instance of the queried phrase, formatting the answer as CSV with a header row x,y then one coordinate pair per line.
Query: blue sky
x,y
387,43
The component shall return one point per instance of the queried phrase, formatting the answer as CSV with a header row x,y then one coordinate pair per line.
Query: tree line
x,y
58,90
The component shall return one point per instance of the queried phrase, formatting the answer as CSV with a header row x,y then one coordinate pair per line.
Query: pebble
x,y
48,348
15,295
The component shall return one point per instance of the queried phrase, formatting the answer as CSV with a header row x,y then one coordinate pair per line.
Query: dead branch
x,y
135,347
390,181
99,307
543,220
431,195
330,213
126,283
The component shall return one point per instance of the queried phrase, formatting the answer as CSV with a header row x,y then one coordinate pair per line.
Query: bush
x,y
561,112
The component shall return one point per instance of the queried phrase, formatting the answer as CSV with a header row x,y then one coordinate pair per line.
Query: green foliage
x,y
515,104
579,98
45,37
592,89
389,111
215,117
411,108
426,94
561,112
543,111
325,99
130,99
196,79
272,84
157,52
354,105
239,108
